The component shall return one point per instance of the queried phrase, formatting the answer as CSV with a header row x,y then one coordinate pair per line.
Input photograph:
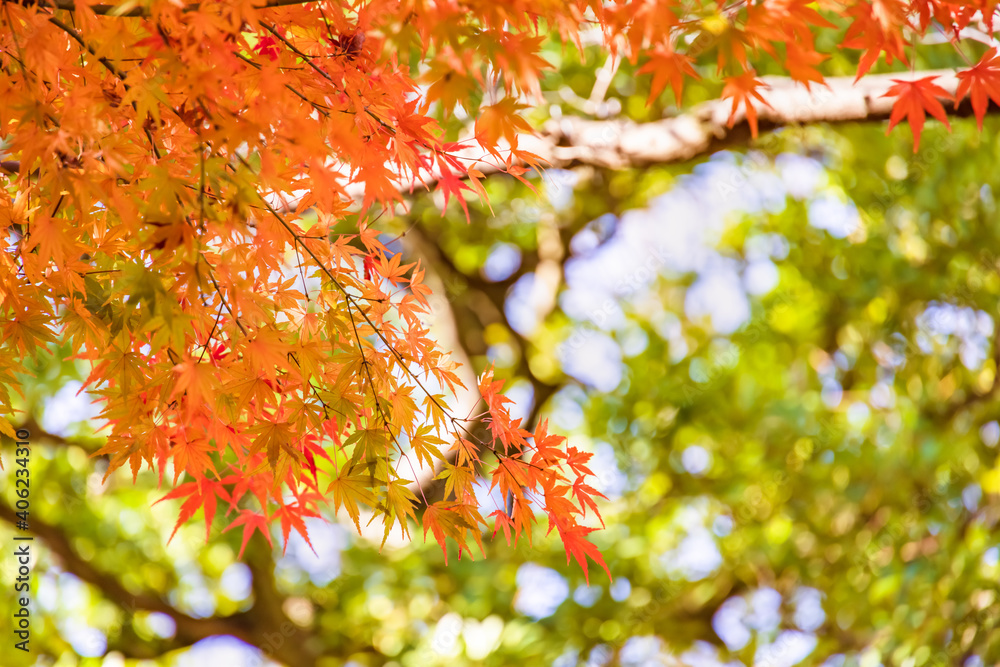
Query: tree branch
x,y
189,628
466,305
705,129
88,443
265,625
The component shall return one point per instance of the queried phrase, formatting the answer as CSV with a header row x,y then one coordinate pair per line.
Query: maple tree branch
x,y
705,128
189,628
39,434
462,316
474,317
258,626
211,275
352,304
111,67
269,607
320,109
351,300
307,59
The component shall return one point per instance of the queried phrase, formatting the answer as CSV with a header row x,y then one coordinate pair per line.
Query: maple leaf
x,y
120,451
574,539
450,83
368,443
518,62
291,517
577,461
271,437
349,490
443,520
267,354
878,29
913,100
188,508
450,186
7,429
467,450
267,46
511,476
52,240
250,521
500,120
190,454
502,521
801,64
743,89
547,447
28,329
392,269
584,495
667,65
475,180
981,83
197,380
425,446
310,449
458,480
201,494
399,505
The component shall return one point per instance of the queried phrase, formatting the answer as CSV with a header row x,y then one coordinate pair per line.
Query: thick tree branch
x,y
705,129
618,144
265,625
189,628
287,642
467,305
39,434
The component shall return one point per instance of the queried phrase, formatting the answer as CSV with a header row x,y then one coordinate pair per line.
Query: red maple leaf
x,y
574,539
267,46
982,83
250,521
914,99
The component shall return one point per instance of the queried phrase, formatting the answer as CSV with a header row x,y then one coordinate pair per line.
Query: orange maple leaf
x,y
914,100
801,63
444,520
743,88
500,120
665,65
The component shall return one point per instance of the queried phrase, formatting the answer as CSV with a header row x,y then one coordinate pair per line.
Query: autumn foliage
x,y
180,185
